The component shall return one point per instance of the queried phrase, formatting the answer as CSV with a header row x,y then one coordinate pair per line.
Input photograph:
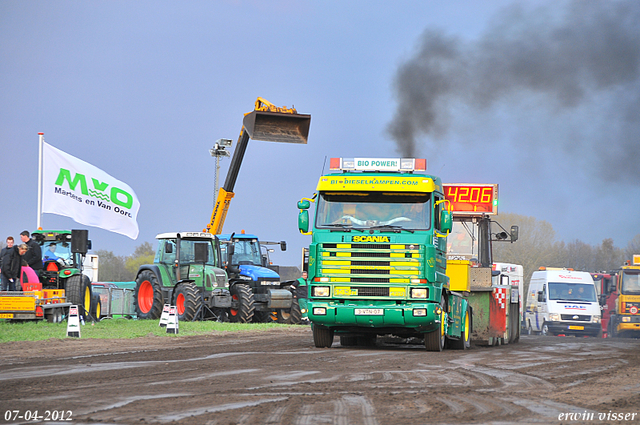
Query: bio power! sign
x,y
77,189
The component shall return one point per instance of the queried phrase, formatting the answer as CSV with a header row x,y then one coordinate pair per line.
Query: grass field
x,y
118,328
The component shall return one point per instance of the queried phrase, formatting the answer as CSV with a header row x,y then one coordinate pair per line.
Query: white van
x,y
562,302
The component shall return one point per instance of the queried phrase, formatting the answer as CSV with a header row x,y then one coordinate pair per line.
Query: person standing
x,y
7,248
33,257
5,251
12,266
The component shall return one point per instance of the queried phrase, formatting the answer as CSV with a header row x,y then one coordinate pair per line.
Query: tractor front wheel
x,y
148,296
188,301
243,307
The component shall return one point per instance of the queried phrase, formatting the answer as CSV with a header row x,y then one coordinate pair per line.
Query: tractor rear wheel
x,y
244,304
148,296
188,301
78,292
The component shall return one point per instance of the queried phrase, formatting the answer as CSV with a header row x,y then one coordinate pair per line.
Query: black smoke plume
x,y
572,57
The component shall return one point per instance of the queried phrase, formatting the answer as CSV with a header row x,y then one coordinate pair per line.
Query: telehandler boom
x,y
268,123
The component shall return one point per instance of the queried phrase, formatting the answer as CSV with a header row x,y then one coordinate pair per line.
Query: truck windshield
x,y
631,282
572,292
364,210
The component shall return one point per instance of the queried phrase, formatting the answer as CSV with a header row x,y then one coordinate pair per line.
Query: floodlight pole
x,y
217,152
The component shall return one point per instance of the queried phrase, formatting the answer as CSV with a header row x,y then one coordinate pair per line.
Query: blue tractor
x,y
247,263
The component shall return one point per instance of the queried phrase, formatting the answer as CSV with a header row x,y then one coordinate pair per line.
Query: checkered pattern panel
x,y
500,294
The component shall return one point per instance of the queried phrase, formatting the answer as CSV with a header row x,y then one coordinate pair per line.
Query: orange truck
x,y
620,300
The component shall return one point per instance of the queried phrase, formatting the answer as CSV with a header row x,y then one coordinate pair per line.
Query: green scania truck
x,y
377,259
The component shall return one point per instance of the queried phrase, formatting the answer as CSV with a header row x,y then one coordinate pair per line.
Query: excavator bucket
x,y
277,126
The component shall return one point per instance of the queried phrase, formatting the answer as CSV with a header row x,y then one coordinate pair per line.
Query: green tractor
x,y
63,252
187,272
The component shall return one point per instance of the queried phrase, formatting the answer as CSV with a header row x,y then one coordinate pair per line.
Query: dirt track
x,y
279,377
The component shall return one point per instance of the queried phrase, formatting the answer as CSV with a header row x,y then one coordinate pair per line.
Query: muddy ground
x,y
278,377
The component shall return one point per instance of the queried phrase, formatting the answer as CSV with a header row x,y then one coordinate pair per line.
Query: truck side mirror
x,y
304,204
540,296
514,233
446,222
303,221
283,245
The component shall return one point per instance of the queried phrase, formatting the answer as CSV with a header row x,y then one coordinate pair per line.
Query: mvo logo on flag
x,y
77,189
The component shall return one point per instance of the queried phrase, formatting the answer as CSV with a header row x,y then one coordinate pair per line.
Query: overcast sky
x,y
542,99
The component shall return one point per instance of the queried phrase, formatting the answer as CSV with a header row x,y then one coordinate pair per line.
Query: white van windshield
x,y
561,291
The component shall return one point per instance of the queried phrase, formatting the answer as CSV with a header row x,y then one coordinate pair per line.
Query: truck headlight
x,y
554,317
321,291
418,293
595,319
626,319
319,311
421,312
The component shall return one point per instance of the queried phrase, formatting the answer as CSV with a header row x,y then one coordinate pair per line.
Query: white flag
x,y
77,189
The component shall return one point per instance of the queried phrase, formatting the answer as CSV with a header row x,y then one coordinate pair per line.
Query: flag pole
x,y
41,137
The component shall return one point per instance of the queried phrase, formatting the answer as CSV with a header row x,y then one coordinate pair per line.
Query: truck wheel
x,y
290,316
612,332
434,340
148,296
245,309
322,337
188,301
544,331
367,340
78,292
348,341
463,343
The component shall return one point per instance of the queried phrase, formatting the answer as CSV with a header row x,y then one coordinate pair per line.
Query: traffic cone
x,y
172,323
165,316
73,322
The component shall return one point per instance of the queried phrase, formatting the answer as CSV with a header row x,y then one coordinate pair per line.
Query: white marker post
x,y
164,319
172,323
73,322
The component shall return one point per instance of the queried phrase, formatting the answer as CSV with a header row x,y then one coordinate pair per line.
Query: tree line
x,y
120,268
537,246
